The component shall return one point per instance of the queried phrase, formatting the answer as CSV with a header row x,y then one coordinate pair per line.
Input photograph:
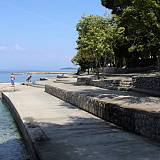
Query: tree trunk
x,y
97,73
97,68
158,62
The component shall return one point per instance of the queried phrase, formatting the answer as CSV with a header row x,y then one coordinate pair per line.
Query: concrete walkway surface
x,y
125,99
68,133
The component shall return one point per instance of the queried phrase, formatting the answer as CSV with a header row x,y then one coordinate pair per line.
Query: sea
x,y
12,146
22,75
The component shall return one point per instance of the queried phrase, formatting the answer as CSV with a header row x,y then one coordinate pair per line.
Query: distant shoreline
x,y
22,73
36,75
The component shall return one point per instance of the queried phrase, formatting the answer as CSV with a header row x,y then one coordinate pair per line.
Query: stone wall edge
x,y
21,126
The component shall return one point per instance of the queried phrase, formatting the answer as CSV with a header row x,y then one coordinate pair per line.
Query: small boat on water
x,y
43,79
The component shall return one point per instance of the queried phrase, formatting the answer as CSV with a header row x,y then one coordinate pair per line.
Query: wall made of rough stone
x,y
143,82
126,70
140,122
146,82
86,80
105,83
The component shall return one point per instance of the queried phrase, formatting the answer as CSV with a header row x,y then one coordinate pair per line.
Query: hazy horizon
x,y
37,70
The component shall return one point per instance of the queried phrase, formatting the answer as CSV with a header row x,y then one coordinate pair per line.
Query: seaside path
x,y
125,99
68,133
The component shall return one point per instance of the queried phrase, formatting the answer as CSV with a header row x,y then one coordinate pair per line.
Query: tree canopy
x,y
93,43
141,21
130,38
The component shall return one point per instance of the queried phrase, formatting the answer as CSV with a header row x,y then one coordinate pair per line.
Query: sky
x,y
41,34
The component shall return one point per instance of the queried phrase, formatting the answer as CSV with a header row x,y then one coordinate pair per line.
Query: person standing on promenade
x,y
13,81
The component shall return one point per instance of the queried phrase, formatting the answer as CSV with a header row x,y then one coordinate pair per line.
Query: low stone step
x,y
135,120
111,83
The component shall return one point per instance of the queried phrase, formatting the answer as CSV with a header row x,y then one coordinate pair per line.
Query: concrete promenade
x,y
125,99
135,112
61,131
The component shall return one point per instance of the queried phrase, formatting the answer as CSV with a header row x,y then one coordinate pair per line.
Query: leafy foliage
x,y
141,20
130,38
93,43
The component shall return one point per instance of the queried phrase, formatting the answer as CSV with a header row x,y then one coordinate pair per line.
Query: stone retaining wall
x,y
140,122
146,82
127,70
104,83
86,80
111,84
143,82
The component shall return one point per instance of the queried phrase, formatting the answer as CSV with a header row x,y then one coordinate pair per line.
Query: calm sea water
x,y
11,144
5,76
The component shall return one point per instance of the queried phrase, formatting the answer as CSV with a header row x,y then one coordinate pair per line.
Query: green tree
x,y
83,60
93,41
141,21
